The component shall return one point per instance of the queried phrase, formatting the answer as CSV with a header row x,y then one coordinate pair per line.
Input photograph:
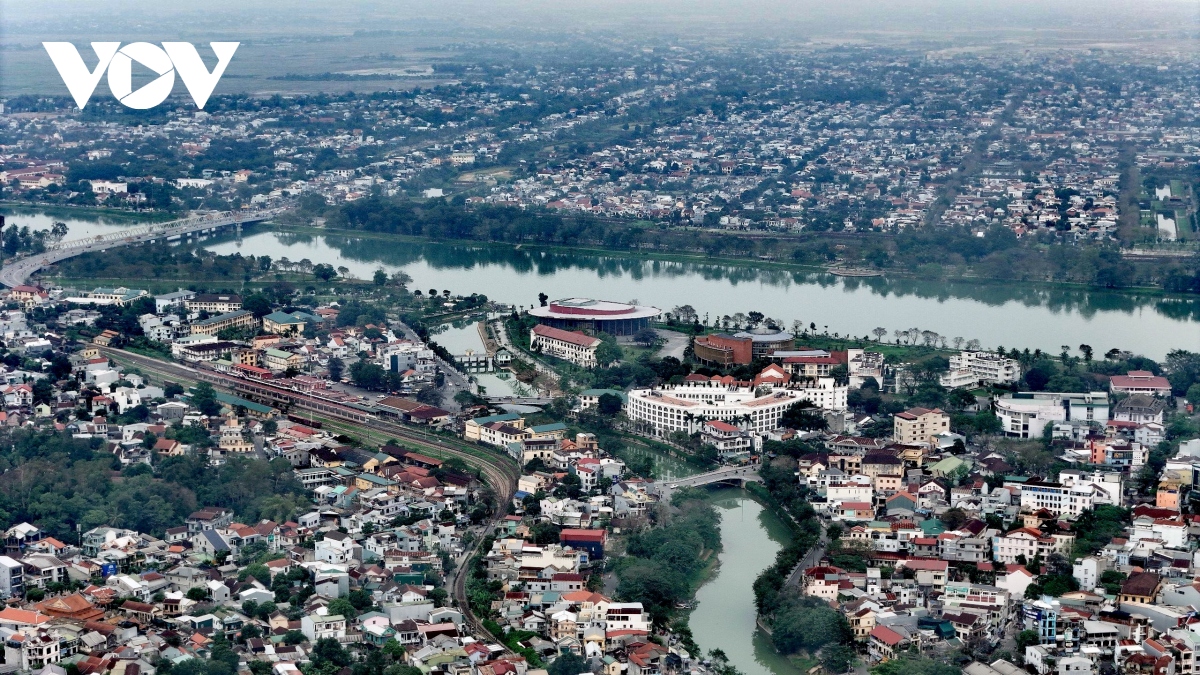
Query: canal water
x,y
725,616
457,338
1012,315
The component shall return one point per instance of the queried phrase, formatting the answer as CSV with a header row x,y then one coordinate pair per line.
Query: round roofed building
x,y
595,316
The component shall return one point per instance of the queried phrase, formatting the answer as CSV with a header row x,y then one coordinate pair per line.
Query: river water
x,y
725,616
1012,315
77,228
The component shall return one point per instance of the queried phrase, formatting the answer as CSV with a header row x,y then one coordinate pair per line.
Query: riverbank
x,y
725,260
87,212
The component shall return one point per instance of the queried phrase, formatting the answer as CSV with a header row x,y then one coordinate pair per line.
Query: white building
x,y
685,407
335,547
1109,485
573,346
12,578
969,369
1057,498
1087,571
1026,414
316,626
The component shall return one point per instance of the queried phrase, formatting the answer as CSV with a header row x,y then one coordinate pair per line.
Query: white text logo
x,y
171,58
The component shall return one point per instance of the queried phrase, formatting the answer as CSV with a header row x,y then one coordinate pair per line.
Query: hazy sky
x,y
817,17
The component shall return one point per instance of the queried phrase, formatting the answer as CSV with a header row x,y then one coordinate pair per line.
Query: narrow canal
x,y
725,616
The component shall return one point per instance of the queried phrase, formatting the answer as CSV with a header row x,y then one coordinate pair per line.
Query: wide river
x,y
1012,315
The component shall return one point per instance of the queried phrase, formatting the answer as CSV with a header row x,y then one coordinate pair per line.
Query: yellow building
x,y
920,426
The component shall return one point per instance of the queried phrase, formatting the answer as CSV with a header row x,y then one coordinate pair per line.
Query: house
x,y
1140,382
337,547
1140,409
317,627
928,572
1141,587
883,643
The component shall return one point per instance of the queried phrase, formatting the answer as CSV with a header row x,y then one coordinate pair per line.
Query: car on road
x,y
673,485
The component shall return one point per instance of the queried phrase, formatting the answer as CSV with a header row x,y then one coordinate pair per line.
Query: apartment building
x,y
213,303
1057,498
682,407
970,369
920,426
1026,414
236,320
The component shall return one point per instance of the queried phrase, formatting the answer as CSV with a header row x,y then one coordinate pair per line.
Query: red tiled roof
x,y
572,337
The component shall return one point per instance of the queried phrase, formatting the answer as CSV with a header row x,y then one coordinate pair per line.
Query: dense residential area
x,y
428,347
299,480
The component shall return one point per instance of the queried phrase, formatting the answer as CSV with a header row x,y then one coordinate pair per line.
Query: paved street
x,y
675,344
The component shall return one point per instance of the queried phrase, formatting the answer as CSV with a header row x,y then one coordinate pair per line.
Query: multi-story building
x,y
969,369
684,407
726,438
723,350
1026,542
573,346
1057,498
214,303
1026,414
236,320
168,300
1140,382
920,426
317,627
12,578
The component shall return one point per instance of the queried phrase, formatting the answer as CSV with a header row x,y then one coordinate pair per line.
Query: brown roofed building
x,y
1142,587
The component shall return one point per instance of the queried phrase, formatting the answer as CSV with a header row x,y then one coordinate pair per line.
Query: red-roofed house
x,y
727,438
573,346
928,572
884,643
1140,382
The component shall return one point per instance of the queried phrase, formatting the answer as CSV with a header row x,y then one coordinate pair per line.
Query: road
x,y
743,473
17,272
499,472
675,343
810,559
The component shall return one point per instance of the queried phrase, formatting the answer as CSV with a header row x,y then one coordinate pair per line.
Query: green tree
x,y
609,404
204,397
568,664
380,277
343,607
1027,638
336,368
805,416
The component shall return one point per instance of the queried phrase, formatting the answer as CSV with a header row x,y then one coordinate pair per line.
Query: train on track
x,y
286,398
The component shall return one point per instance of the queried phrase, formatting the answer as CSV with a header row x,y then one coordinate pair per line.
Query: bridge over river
x,y
18,271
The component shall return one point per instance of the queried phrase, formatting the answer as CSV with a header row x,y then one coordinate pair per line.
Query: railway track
x,y
499,472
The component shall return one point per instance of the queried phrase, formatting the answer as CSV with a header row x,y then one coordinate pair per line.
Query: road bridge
x,y
18,271
731,475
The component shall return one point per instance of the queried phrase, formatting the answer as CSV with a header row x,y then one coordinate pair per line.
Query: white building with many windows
x,y
571,346
969,369
1059,499
1026,414
685,407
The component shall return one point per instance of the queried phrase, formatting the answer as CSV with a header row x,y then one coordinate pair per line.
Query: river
x,y
1008,314
1012,315
77,227
725,615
